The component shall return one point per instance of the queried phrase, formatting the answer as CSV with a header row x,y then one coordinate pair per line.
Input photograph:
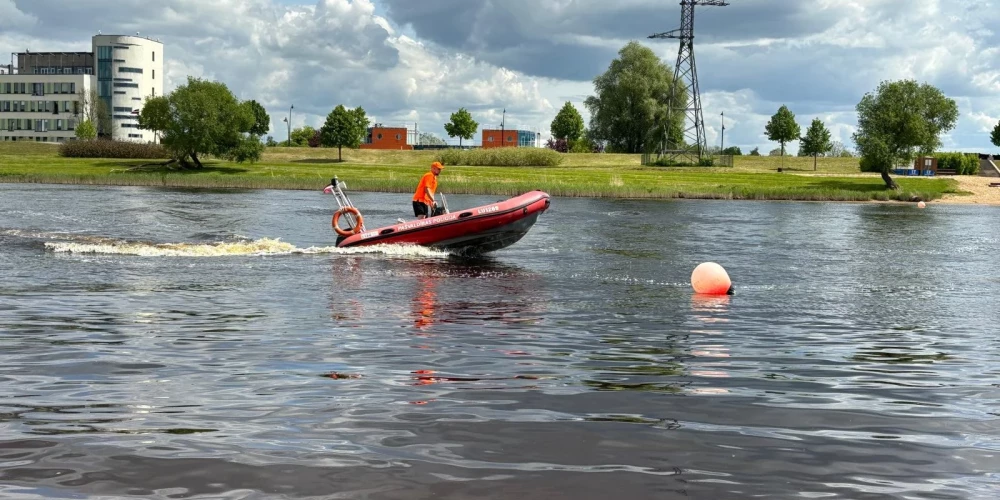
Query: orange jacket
x,y
429,180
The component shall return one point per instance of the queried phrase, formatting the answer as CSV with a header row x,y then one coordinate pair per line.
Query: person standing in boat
x,y
423,198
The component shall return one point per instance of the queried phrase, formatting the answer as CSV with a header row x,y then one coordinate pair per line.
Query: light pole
x,y
289,122
503,117
723,147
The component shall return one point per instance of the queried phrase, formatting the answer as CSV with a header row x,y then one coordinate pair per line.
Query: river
x,y
171,343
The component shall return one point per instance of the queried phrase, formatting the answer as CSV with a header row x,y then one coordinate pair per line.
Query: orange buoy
x,y
711,279
921,205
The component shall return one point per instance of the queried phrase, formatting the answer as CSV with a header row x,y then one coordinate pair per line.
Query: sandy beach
x,y
982,193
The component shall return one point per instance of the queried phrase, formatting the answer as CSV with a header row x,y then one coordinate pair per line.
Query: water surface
x,y
164,343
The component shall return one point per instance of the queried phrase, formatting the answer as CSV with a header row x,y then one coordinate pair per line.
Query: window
x,y
927,162
126,69
490,139
397,137
125,117
379,136
154,55
121,47
59,124
128,85
104,53
119,92
123,108
154,91
135,136
154,74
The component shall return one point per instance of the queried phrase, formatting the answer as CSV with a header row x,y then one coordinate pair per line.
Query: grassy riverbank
x,y
592,175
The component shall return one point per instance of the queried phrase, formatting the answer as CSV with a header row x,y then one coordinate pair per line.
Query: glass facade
x,y
526,138
104,56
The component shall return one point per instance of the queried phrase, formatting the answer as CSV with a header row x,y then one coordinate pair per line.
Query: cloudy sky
x,y
416,61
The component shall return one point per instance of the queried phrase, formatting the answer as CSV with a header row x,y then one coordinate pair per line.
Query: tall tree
x,y
202,117
461,125
262,121
629,112
816,141
782,128
995,136
568,124
344,128
898,121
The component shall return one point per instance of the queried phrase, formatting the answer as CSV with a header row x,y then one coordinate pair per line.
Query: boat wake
x,y
263,246
84,244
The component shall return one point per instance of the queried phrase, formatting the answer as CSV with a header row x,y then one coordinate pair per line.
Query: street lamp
x,y
289,122
723,133
502,119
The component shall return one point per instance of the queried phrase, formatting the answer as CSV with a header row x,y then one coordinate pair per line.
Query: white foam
x,y
263,246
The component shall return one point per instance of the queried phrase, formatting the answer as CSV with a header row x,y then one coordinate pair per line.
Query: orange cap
x,y
438,165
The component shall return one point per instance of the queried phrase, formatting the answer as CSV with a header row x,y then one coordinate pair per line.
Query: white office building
x,y
43,108
43,95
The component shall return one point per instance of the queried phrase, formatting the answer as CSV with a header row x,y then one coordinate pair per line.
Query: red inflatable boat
x,y
472,231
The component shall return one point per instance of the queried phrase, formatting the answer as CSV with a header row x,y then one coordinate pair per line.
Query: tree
x,y
568,124
995,136
755,152
629,113
344,128
782,127
300,136
262,122
271,142
898,121
431,139
732,151
816,141
461,125
96,110
837,149
776,152
316,140
202,117
86,130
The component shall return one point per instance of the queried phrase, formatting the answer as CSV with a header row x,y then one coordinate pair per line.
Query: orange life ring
x,y
356,229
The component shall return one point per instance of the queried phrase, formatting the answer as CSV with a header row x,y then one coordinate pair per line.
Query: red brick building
x,y
512,138
379,137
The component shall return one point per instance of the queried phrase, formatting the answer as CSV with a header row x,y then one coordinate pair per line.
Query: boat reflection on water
x,y
434,291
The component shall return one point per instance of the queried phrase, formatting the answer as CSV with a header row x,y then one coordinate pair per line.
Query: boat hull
x,y
473,231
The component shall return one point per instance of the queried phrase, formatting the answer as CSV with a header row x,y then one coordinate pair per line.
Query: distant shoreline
x,y
581,175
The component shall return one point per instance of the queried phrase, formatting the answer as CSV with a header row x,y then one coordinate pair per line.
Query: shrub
x,y
315,141
112,149
560,145
962,163
501,157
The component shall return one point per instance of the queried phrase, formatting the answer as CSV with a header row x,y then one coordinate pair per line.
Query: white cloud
x,y
407,62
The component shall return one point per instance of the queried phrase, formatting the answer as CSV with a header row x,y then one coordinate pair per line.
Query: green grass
x,y
592,175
